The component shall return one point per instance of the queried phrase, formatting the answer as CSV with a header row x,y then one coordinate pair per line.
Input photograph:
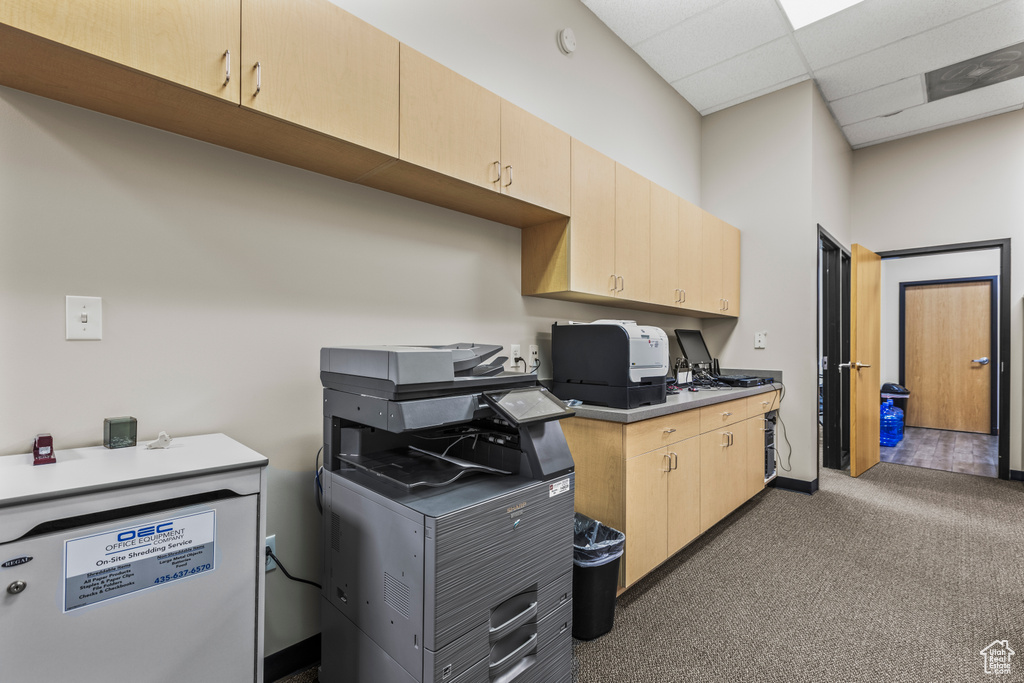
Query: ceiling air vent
x,y
977,72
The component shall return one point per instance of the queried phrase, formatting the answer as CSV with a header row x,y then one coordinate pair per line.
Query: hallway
x,y
936,449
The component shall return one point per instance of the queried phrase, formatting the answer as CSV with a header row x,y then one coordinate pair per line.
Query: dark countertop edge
x,y
675,403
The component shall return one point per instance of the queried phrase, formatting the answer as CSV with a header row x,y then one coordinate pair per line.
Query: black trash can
x,y
595,576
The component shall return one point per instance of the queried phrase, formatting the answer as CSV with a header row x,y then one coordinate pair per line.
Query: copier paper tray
x,y
411,467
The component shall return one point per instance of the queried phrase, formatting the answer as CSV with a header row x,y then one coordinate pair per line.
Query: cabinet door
x,y
730,268
711,248
180,41
321,68
683,496
665,266
632,234
592,226
690,255
646,512
448,123
535,157
755,455
723,466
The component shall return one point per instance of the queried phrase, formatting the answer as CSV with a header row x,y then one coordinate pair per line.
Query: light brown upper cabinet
x,y
534,159
313,64
591,264
194,44
448,123
632,235
455,127
721,256
677,270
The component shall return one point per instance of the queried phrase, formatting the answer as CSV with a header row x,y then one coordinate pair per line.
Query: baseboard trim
x,y
291,659
1016,475
798,485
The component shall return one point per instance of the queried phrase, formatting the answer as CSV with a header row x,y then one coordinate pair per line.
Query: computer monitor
x,y
691,343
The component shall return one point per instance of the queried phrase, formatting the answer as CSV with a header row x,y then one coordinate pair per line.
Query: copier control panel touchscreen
x,y
523,406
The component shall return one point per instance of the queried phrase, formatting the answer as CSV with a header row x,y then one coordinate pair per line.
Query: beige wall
x,y
831,172
933,267
959,184
222,275
756,175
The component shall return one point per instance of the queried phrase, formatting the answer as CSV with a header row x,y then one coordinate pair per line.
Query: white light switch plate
x,y
84,317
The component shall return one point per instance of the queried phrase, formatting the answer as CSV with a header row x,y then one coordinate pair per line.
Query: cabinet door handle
x,y
675,458
731,438
622,285
725,443
724,415
669,456
677,296
259,80
509,183
683,300
497,165
615,284
727,304
670,431
227,66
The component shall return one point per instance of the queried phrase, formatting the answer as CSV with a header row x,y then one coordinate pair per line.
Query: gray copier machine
x,y
448,520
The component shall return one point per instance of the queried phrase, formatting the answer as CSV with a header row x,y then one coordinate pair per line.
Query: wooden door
x,y
690,255
711,250
665,264
730,268
948,331
340,78
865,352
646,516
448,123
536,159
683,495
181,41
632,234
592,226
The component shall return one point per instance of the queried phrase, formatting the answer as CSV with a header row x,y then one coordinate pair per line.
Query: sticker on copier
x,y
558,487
123,561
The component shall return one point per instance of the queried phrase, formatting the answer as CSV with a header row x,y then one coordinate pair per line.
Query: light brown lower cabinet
x,y
666,480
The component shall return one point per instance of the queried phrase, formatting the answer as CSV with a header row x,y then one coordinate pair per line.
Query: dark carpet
x,y
904,574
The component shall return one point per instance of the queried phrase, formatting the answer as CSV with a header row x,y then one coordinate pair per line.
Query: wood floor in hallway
x,y
937,449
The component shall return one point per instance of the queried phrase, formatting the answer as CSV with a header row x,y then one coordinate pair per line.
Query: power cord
x,y
271,555
785,435
517,360
319,492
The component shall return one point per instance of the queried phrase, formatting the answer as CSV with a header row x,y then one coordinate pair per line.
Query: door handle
x,y
669,456
857,365
983,360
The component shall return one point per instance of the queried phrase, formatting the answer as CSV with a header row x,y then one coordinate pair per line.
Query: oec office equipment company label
x,y
115,563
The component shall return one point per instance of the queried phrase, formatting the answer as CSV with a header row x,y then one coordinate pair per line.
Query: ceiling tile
x,y
636,20
879,101
872,24
750,72
977,34
714,36
974,104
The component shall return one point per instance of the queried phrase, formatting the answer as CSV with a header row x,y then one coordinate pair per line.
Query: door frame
x,y
993,351
834,342
1003,370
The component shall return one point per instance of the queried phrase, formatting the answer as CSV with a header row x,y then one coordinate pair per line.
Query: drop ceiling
x,y
869,61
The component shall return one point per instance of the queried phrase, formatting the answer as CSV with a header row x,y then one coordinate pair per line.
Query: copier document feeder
x,y
448,520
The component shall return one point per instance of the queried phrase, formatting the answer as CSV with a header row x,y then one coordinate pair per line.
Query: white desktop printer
x,y
613,363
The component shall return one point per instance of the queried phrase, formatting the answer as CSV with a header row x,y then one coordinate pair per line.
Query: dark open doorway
x,y
834,348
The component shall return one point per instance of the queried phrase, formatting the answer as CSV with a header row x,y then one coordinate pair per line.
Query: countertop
x,y
674,403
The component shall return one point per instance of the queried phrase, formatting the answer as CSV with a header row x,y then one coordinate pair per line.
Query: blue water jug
x,y
891,424
899,421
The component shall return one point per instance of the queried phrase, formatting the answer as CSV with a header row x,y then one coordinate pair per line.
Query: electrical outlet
x,y
534,358
514,352
760,340
272,542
